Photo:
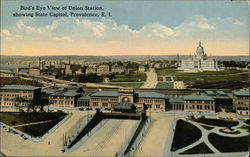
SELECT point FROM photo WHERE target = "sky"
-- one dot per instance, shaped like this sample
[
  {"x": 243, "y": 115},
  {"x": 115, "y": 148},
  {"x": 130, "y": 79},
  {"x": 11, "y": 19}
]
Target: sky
[{"x": 142, "y": 27}]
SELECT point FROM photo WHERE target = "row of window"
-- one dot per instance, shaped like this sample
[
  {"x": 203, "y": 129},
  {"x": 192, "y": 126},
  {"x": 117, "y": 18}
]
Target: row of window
[
  {"x": 15, "y": 95},
  {"x": 58, "y": 97},
  {"x": 61, "y": 102},
  {"x": 242, "y": 108},
  {"x": 200, "y": 102},
  {"x": 177, "y": 106},
  {"x": 105, "y": 99},
  {"x": 150, "y": 101},
  {"x": 200, "y": 107},
  {"x": 13, "y": 104},
  {"x": 243, "y": 97}
]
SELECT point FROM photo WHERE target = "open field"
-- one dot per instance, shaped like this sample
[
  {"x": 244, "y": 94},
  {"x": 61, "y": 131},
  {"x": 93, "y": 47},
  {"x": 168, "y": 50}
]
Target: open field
[
  {"x": 164, "y": 85},
  {"x": 238, "y": 75},
  {"x": 131, "y": 77}
]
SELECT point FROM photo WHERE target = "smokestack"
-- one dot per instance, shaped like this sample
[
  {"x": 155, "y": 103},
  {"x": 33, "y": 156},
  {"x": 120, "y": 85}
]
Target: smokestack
[{"x": 39, "y": 64}]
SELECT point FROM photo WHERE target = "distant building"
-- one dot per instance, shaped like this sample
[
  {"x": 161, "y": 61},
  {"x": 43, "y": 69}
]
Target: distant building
[
  {"x": 118, "y": 69},
  {"x": 68, "y": 69},
  {"x": 199, "y": 62},
  {"x": 241, "y": 101},
  {"x": 141, "y": 68},
  {"x": 103, "y": 69},
  {"x": 160, "y": 65},
  {"x": 10, "y": 93},
  {"x": 34, "y": 71},
  {"x": 91, "y": 70}
]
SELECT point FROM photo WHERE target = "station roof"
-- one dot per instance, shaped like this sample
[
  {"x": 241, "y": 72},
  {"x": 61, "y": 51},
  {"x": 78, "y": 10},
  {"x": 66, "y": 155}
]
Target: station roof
[
  {"x": 151, "y": 95},
  {"x": 196, "y": 96},
  {"x": 70, "y": 93},
  {"x": 105, "y": 94},
  {"x": 140, "y": 94},
  {"x": 176, "y": 98},
  {"x": 85, "y": 97},
  {"x": 19, "y": 87},
  {"x": 243, "y": 92}
]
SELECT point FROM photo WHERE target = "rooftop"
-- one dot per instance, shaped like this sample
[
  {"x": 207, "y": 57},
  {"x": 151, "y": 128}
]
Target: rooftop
[
  {"x": 140, "y": 94},
  {"x": 243, "y": 92},
  {"x": 196, "y": 96},
  {"x": 150, "y": 95},
  {"x": 175, "y": 98}
]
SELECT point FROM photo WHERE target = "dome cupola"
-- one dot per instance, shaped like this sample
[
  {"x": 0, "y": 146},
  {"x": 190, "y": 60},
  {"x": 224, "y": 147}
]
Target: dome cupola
[{"x": 200, "y": 49}]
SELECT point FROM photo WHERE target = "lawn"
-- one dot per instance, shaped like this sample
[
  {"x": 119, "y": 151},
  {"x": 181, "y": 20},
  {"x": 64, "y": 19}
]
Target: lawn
[
  {"x": 213, "y": 76},
  {"x": 131, "y": 77},
  {"x": 216, "y": 122},
  {"x": 185, "y": 134},
  {"x": 159, "y": 78},
  {"x": 127, "y": 84},
  {"x": 166, "y": 71},
  {"x": 201, "y": 148},
  {"x": 164, "y": 85},
  {"x": 229, "y": 144},
  {"x": 36, "y": 130},
  {"x": 227, "y": 75}
]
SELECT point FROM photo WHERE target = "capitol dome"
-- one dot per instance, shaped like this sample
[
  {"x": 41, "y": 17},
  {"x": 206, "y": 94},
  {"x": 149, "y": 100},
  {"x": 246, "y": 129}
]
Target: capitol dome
[{"x": 200, "y": 49}]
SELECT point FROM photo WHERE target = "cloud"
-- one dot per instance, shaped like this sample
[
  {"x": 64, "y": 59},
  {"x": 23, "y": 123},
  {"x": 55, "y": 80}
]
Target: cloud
[
  {"x": 157, "y": 30},
  {"x": 5, "y": 33},
  {"x": 64, "y": 38},
  {"x": 233, "y": 20},
  {"x": 98, "y": 28},
  {"x": 108, "y": 35}
]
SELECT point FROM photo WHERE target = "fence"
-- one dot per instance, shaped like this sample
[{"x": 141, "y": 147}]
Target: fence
[
  {"x": 71, "y": 138},
  {"x": 135, "y": 144}
]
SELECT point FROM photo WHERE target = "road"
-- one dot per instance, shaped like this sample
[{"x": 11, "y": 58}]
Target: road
[
  {"x": 152, "y": 80},
  {"x": 106, "y": 141}
]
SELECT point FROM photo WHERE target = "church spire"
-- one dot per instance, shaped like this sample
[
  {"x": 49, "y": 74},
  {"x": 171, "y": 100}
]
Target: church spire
[{"x": 199, "y": 43}]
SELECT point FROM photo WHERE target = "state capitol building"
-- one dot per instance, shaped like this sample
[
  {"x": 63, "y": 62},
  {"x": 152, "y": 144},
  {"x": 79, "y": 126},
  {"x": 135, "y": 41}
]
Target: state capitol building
[{"x": 199, "y": 62}]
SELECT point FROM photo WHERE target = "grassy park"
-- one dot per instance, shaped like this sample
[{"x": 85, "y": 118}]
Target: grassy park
[
  {"x": 229, "y": 144},
  {"x": 165, "y": 85},
  {"x": 185, "y": 134},
  {"x": 34, "y": 124},
  {"x": 216, "y": 122},
  {"x": 226, "y": 75},
  {"x": 130, "y": 77}
]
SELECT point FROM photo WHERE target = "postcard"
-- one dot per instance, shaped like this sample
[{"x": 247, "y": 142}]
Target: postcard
[{"x": 124, "y": 78}]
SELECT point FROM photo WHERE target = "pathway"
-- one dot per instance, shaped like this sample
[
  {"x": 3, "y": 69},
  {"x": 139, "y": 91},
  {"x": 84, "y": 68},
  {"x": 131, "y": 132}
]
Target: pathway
[
  {"x": 204, "y": 138},
  {"x": 152, "y": 80},
  {"x": 27, "y": 124}
]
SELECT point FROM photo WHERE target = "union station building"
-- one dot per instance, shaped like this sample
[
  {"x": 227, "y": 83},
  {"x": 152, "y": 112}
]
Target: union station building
[{"x": 204, "y": 101}]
